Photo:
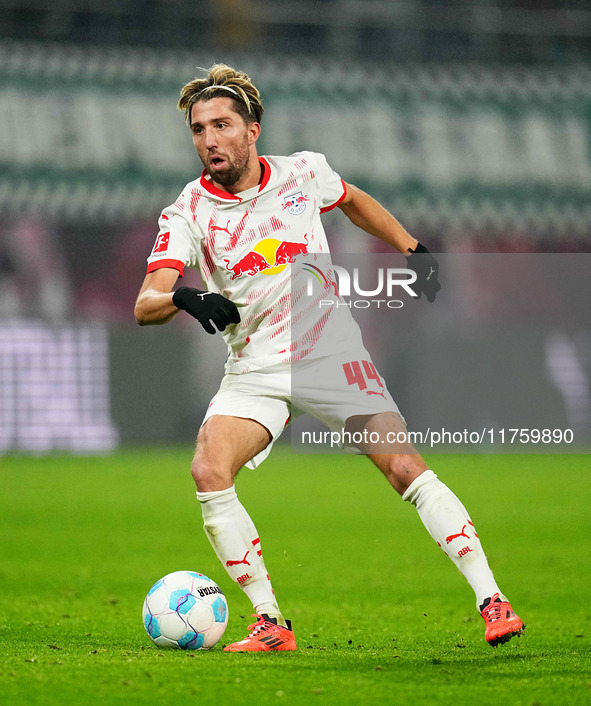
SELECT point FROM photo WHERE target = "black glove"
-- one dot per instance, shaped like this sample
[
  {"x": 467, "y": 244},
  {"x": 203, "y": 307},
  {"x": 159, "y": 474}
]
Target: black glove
[
  {"x": 426, "y": 267},
  {"x": 207, "y": 307}
]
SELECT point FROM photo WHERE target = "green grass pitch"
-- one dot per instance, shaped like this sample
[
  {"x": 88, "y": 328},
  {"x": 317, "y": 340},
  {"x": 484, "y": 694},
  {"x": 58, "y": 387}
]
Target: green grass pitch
[{"x": 381, "y": 615}]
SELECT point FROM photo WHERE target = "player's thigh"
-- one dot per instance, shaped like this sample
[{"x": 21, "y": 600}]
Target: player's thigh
[
  {"x": 224, "y": 445},
  {"x": 335, "y": 388}
]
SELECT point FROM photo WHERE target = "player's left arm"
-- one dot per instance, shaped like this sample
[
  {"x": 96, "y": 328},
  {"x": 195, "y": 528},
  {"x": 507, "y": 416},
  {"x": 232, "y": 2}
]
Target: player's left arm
[{"x": 369, "y": 215}]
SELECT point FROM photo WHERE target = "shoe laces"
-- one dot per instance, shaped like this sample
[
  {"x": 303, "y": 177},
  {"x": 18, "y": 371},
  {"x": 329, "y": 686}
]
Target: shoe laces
[
  {"x": 258, "y": 627},
  {"x": 492, "y": 611}
]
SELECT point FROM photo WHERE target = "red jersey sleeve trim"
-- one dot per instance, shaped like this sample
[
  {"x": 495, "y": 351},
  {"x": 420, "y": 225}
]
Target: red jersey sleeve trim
[
  {"x": 336, "y": 203},
  {"x": 173, "y": 264}
]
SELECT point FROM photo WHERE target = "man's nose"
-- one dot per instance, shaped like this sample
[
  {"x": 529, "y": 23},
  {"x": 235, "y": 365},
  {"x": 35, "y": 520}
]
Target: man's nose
[{"x": 210, "y": 139}]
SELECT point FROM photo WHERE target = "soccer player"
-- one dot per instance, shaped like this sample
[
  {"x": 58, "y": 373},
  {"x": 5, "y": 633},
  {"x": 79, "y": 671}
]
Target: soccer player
[{"x": 227, "y": 223}]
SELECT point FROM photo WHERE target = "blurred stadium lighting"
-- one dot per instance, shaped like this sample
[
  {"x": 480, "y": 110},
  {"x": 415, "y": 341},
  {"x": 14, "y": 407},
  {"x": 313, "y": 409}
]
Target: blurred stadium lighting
[{"x": 488, "y": 30}]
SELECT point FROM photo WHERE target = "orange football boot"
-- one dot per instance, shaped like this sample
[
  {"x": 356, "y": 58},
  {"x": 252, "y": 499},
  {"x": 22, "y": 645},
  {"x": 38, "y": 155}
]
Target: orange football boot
[
  {"x": 501, "y": 622},
  {"x": 265, "y": 635}
]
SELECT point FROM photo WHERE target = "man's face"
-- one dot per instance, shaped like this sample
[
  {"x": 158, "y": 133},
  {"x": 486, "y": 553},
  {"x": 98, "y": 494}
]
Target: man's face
[{"x": 223, "y": 140}]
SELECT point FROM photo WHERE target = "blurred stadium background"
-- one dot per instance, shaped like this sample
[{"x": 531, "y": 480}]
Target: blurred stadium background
[{"x": 471, "y": 121}]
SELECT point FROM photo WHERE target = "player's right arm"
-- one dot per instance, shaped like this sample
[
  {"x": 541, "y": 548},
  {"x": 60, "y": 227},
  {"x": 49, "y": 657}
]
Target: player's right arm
[
  {"x": 154, "y": 302},
  {"x": 157, "y": 304},
  {"x": 176, "y": 247}
]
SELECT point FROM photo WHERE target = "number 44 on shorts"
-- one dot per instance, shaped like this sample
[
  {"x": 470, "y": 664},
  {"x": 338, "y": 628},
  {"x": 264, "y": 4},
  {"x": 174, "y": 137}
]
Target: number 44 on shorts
[{"x": 355, "y": 374}]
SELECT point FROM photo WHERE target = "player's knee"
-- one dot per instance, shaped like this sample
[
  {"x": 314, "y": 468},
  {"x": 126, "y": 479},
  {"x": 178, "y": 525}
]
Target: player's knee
[
  {"x": 208, "y": 476},
  {"x": 404, "y": 469},
  {"x": 199, "y": 473}
]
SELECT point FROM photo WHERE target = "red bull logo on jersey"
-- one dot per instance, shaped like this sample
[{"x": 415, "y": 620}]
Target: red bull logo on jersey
[
  {"x": 287, "y": 252},
  {"x": 269, "y": 256},
  {"x": 295, "y": 203},
  {"x": 250, "y": 264}
]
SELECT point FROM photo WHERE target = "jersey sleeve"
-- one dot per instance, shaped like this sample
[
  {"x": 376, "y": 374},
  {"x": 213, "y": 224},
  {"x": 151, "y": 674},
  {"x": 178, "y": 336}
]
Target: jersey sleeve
[
  {"x": 332, "y": 188},
  {"x": 176, "y": 242}
]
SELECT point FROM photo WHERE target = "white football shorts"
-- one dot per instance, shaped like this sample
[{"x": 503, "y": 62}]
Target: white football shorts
[{"x": 331, "y": 389}]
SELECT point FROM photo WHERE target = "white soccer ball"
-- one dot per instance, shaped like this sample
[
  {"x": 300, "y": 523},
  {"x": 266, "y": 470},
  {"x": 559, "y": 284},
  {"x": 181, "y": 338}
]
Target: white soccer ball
[{"x": 185, "y": 610}]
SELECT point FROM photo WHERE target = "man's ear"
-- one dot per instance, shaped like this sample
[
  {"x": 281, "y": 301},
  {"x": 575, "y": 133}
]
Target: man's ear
[{"x": 254, "y": 130}]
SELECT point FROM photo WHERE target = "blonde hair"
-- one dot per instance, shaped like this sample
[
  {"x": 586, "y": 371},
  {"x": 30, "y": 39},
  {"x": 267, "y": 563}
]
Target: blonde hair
[{"x": 223, "y": 81}]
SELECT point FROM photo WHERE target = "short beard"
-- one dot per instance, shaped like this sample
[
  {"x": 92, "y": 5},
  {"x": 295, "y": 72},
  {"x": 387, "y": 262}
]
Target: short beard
[
  {"x": 233, "y": 172},
  {"x": 229, "y": 176}
]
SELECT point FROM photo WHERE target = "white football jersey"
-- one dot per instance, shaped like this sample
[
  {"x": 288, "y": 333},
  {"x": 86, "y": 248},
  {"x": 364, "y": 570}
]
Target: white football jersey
[{"x": 244, "y": 245}]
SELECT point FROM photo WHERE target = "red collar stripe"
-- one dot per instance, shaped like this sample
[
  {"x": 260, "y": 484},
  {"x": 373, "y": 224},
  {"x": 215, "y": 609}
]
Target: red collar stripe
[
  {"x": 213, "y": 189},
  {"x": 266, "y": 173}
]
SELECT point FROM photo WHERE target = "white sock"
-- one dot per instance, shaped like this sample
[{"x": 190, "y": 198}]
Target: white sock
[
  {"x": 236, "y": 542},
  {"x": 449, "y": 523}
]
